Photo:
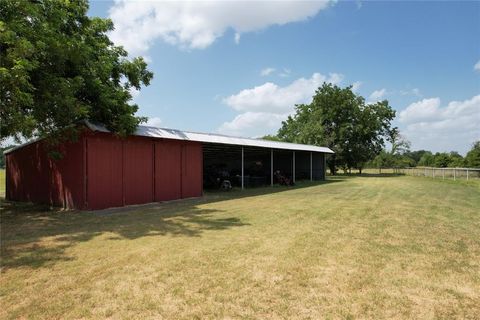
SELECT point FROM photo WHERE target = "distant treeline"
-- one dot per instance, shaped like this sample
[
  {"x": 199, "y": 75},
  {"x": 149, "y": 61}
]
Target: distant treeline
[{"x": 426, "y": 158}]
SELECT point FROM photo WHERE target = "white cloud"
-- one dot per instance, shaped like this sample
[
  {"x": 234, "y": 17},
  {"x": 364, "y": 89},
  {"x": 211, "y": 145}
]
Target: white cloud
[
  {"x": 267, "y": 71},
  {"x": 424, "y": 110},
  {"x": 197, "y": 24},
  {"x": 237, "y": 38},
  {"x": 154, "y": 122},
  {"x": 378, "y": 94},
  {"x": 264, "y": 107},
  {"x": 476, "y": 67},
  {"x": 253, "y": 124},
  {"x": 269, "y": 97},
  {"x": 411, "y": 92},
  {"x": 433, "y": 127},
  {"x": 356, "y": 86}
]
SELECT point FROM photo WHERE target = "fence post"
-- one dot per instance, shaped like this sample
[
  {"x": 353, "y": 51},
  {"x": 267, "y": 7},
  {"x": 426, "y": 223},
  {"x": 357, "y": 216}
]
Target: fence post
[
  {"x": 425, "y": 172},
  {"x": 454, "y": 174},
  {"x": 443, "y": 173},
  {"x": 433, "y": 173},
  {"x": 467, "y": 174}
]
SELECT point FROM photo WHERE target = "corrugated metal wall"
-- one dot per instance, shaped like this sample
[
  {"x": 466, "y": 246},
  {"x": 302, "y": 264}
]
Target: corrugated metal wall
[
  {"x": 168, "y": 170},
  {"x": 140, "y": 170},
  {"x": 104, "y": 172},
  {"x": 32, "y": 176},
  {"x": 101, "y": 171},
  {"x": 192, "y": 170}
]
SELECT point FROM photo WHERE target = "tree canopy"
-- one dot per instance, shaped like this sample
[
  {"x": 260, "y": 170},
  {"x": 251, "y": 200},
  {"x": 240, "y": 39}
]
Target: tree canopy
[
  {"x": 58, "y": 67},
  {"x": 472, "y": 159},
  {"x": 341, "y": 120}
]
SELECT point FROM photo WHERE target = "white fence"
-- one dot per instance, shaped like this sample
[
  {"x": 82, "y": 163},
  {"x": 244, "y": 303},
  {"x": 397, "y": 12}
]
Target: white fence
[{"x": 441, "y": 173}]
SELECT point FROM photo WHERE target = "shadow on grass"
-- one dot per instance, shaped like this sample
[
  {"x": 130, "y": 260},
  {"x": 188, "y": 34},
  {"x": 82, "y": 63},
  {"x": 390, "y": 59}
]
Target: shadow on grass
[{"x": 33, "y": 236}]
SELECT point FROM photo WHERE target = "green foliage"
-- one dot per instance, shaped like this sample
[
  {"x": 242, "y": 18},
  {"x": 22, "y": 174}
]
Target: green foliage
[
  {"x": 58, "y": 67},
  {"x": 441, "y": 160},
  {"x": 472, "y": 159},
  {"x": 271, "y": 138},
  {"x": 427, "y": 160},
  {"x": 383, "y": 160},
  {"x": 341, "y": 120},
  {"x": 400, "y": 145},
  {"x": 2, "y": 156},
  {"x": 415, "y": 155},
  {"x": 456, "y": 160}
]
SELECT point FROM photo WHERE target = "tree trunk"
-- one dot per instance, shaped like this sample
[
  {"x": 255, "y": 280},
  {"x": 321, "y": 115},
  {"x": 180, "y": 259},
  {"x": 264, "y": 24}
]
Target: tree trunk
[
  {"x": 360, "y": 170},
  {"x": 331, "y": 165}
]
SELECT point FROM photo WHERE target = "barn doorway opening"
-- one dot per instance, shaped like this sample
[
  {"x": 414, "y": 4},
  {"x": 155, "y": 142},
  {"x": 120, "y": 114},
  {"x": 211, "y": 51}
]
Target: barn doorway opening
[{"x": 226, "y": 166}]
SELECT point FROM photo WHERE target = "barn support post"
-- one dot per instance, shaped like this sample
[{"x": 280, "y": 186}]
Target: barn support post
[
  {"x": 271, "y": 167},
  {"x": 242, "y": 170},
  {"x": 311, "y": 166},
  {"x": 293, "y": 165}
]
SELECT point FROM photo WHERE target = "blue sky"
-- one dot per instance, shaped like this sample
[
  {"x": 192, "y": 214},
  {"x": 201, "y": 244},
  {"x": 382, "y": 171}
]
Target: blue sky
[{"x": 208, "y": 61}]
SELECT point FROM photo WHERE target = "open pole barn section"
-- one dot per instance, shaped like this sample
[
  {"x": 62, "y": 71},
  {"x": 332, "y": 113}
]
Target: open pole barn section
[{"x": 101, "y": 170}]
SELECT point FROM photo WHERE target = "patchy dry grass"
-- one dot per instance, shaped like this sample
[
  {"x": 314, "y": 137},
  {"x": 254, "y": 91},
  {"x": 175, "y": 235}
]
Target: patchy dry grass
[{"x": 366, "y": 247}]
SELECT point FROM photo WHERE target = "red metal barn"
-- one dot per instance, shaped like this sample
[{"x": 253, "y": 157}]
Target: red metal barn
[{"x": 101, "y": 170}]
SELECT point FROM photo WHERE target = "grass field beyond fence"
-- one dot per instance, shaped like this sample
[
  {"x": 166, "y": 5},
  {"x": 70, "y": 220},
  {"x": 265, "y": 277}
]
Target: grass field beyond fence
[{"x": 353, "y": 247}]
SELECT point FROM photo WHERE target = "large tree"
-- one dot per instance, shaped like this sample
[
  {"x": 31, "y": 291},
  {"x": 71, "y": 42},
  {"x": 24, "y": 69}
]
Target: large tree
[
  {"x": 472, "y": 159},
  {"x": 400, "y": 144},
  {"x": 341, "y": 120},
  {"x": 58, "y": 67}
]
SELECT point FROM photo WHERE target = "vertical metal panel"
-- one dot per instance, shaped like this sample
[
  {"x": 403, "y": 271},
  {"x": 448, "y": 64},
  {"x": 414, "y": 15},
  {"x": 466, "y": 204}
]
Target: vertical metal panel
[
  {"x": 34, "y": 176},
  {"x": 168, "y": 170},
  {"x": 104, "y": 172},
  {"x": 138, "y": 171},
  {"x": 192, "y": 166},
  {"x": 67, "y": 176}
]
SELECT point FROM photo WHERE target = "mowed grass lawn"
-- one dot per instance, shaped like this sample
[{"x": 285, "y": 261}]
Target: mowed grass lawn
[{"x": 362, "y": 247}]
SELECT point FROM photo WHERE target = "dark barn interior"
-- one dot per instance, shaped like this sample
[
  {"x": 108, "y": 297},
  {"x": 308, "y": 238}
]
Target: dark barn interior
[{"x": 224, "y": 162}]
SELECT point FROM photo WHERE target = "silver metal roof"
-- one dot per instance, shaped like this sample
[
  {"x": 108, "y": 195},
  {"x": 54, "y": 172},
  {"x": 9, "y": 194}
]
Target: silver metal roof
[{"x": 164, "y": 133}]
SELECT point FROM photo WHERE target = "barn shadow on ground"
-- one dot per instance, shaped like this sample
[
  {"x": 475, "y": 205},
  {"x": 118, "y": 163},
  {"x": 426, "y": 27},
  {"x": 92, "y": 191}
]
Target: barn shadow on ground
[{"x": 33, "y": 236}]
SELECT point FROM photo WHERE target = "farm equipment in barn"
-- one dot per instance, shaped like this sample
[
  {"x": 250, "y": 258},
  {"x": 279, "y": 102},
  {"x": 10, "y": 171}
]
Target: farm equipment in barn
[{"x": 283, "y": 180}]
